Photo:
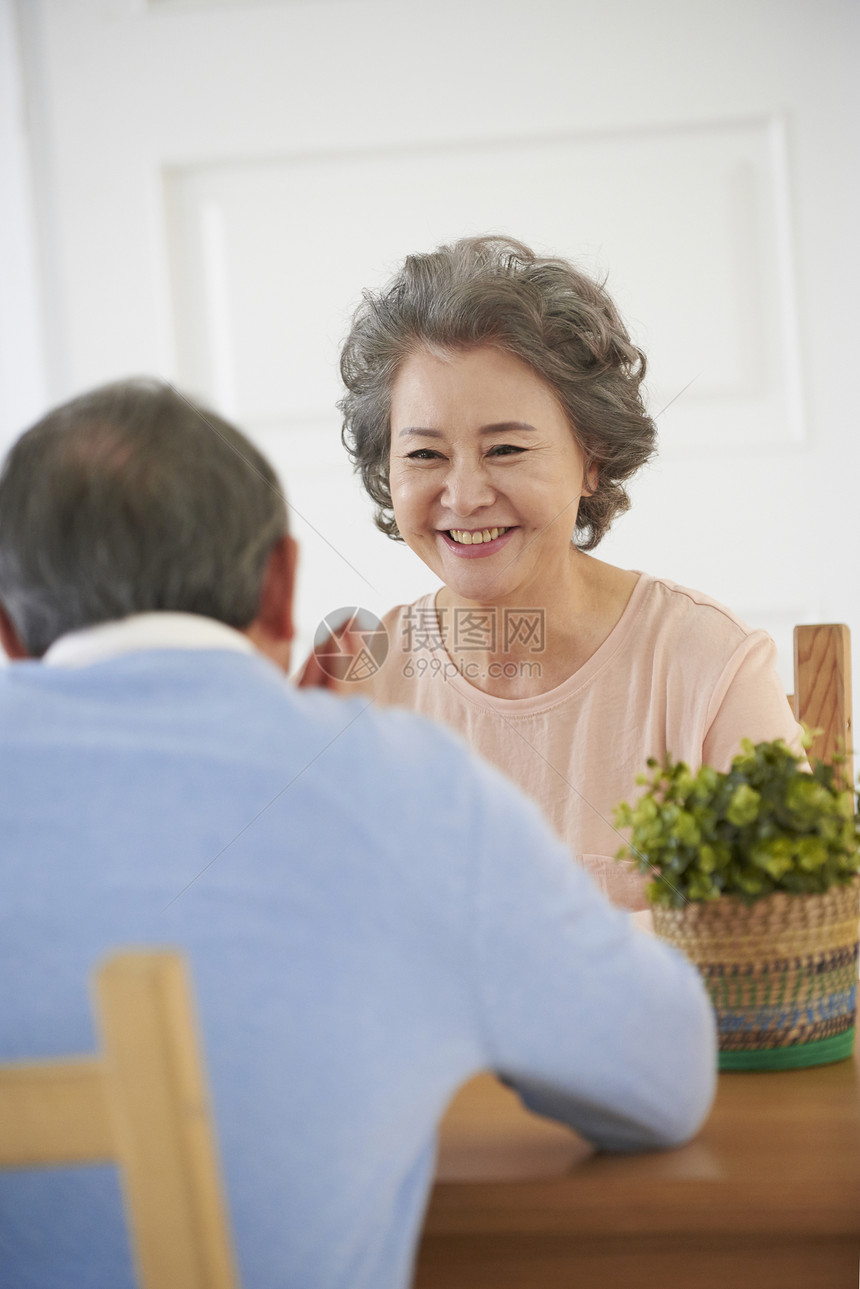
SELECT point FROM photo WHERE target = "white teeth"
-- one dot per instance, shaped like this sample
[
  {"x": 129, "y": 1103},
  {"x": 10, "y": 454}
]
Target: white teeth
[{"x": 466, "y": 538}]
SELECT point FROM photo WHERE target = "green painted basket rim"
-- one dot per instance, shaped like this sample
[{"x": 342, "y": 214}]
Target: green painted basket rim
[{"x": 795, "y": 1057}]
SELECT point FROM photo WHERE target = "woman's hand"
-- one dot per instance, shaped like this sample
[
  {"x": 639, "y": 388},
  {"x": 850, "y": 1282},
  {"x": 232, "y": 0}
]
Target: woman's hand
[
  {"x": 319, "y": 671},
  {"x": 312, "y": 676}
]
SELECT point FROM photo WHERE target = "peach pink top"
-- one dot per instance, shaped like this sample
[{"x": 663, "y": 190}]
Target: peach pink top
[{"x": 678, "y": 673}]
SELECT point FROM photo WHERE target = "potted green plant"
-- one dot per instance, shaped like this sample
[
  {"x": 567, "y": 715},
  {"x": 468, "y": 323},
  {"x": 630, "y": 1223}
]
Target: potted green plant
[{"x": 755, "y": 878}]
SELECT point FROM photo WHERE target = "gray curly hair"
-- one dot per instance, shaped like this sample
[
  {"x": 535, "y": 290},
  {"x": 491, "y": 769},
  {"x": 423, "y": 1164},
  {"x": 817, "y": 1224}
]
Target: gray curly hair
[{"x": 496, "y": 291}]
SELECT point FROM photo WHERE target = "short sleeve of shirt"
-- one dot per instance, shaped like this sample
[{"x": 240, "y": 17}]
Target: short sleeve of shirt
[{"x": 749, "y": 697}]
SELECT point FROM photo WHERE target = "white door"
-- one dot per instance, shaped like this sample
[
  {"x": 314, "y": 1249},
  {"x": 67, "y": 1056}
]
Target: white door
[{"x": 218, "y": 181}]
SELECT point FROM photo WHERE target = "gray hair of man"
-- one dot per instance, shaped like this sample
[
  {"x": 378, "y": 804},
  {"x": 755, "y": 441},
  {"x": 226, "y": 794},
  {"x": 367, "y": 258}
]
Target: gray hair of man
[{"x": 132, "y": 499}]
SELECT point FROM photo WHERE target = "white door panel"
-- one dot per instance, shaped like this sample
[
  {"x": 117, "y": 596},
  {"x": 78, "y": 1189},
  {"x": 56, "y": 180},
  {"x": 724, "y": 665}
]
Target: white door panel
[{"x": 222, "y": 180}]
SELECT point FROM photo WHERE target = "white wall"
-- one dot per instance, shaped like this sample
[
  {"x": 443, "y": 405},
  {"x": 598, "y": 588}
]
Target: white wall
[{"x": 23, "y": 388}]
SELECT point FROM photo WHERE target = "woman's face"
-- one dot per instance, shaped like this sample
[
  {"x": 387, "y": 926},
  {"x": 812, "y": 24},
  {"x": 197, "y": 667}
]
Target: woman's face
[{"x": 486, "y": 475}]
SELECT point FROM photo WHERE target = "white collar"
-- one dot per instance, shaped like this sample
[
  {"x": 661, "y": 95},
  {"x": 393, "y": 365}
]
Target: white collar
[{"x": 144, "y": 631}]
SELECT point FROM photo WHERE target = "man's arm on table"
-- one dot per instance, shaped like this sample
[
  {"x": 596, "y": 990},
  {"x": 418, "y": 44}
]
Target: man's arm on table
[{"x": 594, "y": 1023}]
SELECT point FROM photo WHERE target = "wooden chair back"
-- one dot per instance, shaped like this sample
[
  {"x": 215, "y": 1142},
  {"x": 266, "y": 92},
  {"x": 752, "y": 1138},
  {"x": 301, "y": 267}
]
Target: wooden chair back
[
  {"x": 140, "y": 1102},
  {"x": 822, "y": 690}
]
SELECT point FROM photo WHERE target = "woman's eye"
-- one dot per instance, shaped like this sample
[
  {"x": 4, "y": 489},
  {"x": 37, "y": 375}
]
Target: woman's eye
[
  {"x": 505, "y": 449},
  {"x": 422, "y": 454}
]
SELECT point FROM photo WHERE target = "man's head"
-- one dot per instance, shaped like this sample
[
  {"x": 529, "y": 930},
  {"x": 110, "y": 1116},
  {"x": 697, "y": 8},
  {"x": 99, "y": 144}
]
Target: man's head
[{"x": 133, "y": 499}]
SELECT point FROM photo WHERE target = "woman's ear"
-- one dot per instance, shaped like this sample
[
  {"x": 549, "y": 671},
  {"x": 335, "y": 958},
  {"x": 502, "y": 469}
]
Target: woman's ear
[{"x": 590, "y": 479}]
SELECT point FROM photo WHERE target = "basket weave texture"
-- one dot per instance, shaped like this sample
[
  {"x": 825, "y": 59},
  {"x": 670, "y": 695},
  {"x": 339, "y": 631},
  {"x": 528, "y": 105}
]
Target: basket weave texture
[{"x": 781, "y": 971}]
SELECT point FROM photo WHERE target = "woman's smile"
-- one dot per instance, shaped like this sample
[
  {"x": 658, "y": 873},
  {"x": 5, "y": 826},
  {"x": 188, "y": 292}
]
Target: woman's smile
[{"x": 476, "y": 543}]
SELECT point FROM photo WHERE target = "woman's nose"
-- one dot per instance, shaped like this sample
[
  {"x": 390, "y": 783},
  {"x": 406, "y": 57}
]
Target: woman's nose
[{"x": 467, "y": 489}]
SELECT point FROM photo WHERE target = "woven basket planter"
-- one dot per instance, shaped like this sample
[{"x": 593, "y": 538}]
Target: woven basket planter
[{"x": 782, "y": 973}]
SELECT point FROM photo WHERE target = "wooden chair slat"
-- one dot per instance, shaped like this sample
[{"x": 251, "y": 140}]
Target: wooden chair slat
[
  {"x": 822, "y": 689},
  {"x": 140, "y": 1102}
]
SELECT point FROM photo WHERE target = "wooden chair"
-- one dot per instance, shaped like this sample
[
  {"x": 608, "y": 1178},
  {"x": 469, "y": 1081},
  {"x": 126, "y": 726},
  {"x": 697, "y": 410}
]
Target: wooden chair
[
  {"x": 140, "y": 1102},
  {"x": 822, "y": 689}
]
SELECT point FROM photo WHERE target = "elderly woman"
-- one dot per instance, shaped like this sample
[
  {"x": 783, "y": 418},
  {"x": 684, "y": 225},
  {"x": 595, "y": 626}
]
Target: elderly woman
[{"x": 493, "y": 409}]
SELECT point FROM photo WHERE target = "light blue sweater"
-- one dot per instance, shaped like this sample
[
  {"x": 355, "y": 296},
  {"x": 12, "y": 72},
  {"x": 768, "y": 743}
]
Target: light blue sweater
[{"x": 370, "y": 916}]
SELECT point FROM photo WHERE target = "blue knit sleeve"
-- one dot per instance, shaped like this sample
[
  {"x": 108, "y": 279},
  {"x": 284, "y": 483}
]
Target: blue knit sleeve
[{"x": 594, "y": 1021}]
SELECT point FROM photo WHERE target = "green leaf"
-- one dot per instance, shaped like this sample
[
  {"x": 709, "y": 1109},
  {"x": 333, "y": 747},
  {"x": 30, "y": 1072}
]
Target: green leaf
[
  {"x": 743, "y": 807},
  {"x": 768, "y": 824}
]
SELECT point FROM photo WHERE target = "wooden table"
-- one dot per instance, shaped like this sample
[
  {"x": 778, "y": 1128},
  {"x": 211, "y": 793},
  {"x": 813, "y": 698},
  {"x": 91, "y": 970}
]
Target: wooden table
[{"x": 766, "y": 1197}]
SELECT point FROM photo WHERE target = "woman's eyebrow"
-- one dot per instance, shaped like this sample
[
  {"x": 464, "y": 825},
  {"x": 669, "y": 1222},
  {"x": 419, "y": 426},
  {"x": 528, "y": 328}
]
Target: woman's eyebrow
[{"x": 502, "y": 427}]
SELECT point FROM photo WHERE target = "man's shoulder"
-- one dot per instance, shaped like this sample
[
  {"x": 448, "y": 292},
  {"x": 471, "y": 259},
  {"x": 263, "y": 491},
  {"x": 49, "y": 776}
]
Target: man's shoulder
[
  {"x": 221, "y": 708},
  {"x": 404, "y": 740},
  {"x": 177, "y": 685},
  {"x": 423, "y": 770}
]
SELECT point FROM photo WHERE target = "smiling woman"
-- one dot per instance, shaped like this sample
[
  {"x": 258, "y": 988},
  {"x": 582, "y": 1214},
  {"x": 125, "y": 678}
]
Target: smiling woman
[{"x": 493, "y": 410}]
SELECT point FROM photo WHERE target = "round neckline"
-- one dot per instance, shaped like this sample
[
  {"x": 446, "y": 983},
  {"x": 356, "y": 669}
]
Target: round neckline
[{"x": 551, "y": 697}]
